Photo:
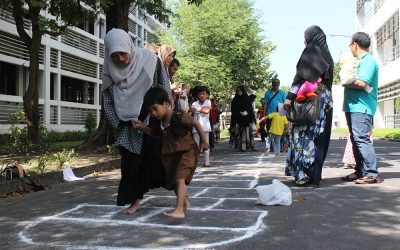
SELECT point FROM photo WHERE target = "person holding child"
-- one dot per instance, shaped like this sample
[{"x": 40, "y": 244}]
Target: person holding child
[
  {"x": 360, "y": 104},
  {"x": 308, "y": 144},
  {"x": 201, "y": 111},
  {"x": 179, "y": 151}
]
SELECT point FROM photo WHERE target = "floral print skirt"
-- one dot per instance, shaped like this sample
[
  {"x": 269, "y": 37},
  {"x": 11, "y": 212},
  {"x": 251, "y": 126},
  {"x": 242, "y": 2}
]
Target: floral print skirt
[{"x": 303, "y": 140}]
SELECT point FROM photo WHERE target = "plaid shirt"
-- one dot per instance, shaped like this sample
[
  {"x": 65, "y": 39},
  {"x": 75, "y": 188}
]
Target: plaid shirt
[{"x": 124, "y": 133}]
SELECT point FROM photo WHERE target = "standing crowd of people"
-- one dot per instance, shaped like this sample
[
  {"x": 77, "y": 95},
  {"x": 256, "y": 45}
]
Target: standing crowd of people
[{"x": 162, "y": 127}]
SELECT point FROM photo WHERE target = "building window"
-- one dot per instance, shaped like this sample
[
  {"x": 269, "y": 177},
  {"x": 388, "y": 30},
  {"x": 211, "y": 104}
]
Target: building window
[
  {"x": 8, "y": 79},
  {"x": 87, "y": 25},
  {"x": 74, "y": 90},
  {"x": 71, "y": 90}
]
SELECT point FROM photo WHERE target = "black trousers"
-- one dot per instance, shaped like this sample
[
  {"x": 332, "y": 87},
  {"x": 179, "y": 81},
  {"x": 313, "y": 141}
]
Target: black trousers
[
  {"x": 263, "y": 132},
  {"x": 131, "y": 187}
]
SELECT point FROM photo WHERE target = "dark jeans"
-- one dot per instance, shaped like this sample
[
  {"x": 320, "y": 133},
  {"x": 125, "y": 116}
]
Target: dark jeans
[{"x": 360, "y": 127}]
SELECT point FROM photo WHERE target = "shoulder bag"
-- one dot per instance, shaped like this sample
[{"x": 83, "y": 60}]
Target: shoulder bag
[
  {"x": 268, "y": 122},
  {"x": 306, "y": 112}
]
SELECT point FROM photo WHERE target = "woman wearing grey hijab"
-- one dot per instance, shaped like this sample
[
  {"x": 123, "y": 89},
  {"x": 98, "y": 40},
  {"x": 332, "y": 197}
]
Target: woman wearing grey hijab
[{"x": 128, "y": 73}]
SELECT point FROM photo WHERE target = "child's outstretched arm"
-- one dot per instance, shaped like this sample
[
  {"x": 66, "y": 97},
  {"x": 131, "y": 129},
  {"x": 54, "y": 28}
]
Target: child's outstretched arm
[
  {"x": 141, "y": 127},
  {"x": 203, "y": 139}
]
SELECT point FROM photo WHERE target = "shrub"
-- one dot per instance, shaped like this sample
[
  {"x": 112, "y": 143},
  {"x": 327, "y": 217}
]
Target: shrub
[
  {"x": 55, "y": 136},
  {"x": 42, "y": 163},
  {"x": 63, "y": 157},
  {"x": 112, "y": 149},
  {"x": 90, "y": 123},
  {"x": 19, "y": 140}
]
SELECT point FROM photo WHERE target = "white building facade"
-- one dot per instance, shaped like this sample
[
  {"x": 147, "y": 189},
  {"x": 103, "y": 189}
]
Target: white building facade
[
  {"x": 70, "y": 69},
  {"x": 380, "y": 19}
]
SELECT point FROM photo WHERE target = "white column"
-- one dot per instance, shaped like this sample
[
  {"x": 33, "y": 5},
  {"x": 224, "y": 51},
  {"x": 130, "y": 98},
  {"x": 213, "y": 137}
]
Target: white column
[
  {"x": 57, "y": 88},
  {"x": 45, "y": 82},
  {"x": 96, "y": 101}
]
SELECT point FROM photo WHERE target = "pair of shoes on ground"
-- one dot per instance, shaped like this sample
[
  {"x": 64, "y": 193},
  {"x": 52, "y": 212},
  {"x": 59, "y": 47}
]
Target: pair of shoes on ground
[
  {"x": 362, "y": 180},
  {"x": 303, "y": 182}
]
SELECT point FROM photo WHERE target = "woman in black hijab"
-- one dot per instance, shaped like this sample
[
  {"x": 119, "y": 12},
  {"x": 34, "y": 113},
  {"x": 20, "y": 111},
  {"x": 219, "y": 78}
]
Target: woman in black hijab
[
  {"x": 241, "y": 119},
  {"x": 308, "y": 144}
]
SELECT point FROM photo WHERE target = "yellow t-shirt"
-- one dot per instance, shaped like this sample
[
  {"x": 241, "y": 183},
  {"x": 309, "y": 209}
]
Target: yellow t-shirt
[{"x": 277, "y": 124}]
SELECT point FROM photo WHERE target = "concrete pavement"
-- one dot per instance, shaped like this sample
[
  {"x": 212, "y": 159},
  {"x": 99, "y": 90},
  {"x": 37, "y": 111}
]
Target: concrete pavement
[{"x": 223, "y": 213}]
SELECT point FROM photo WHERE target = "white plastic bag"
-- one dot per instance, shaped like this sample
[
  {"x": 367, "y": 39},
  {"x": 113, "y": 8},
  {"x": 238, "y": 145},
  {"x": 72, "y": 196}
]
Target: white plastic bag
[
  {"x": 68, "y": 175},
  {"x": 276, "y": 193}
]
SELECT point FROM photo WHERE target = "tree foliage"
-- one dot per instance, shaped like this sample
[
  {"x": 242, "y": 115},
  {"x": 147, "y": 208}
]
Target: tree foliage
[
  {"x": 219, "y": 45},
  {"x": 336, "y": 70}
]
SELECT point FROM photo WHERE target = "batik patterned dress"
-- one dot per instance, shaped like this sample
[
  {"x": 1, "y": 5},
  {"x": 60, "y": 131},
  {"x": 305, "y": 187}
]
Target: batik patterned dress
[
  {"x": 179, "y": 154},
  {"x": 303, "y": 138}
]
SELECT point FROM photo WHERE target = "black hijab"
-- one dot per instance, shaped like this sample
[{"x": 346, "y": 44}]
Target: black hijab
[
  {"x": 316, "y": 59},
  {"x": 242, "y": 103}
]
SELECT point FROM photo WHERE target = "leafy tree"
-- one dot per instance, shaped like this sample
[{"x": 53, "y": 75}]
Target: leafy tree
[
  {"x": 336, "y": 70},
  {"x": 397, "y": 105},
  {"x": 219, "y": 45},
  {"x": 63, "y": 13}
]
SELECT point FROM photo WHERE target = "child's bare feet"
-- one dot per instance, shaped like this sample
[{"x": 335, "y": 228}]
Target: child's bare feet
[
  {"x": 132, "y": 209},
  {"x": 175, "y": 214}
]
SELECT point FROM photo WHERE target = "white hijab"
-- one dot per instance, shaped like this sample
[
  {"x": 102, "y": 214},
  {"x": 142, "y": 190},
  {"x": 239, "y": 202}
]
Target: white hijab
[{"x": 130, "y": 82}]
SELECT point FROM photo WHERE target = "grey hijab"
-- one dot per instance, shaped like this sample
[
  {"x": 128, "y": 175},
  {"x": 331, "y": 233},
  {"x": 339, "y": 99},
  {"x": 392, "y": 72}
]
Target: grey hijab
[{"x": 129, "y": 82}]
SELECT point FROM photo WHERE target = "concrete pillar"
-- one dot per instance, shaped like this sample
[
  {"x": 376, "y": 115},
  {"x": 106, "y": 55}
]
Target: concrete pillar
[
  {"x": 57, "y": 88},
  {"x": 45, "y": 82}
]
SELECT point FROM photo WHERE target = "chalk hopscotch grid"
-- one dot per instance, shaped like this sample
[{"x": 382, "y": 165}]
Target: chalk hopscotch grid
[{"x": 141, "y": 221}]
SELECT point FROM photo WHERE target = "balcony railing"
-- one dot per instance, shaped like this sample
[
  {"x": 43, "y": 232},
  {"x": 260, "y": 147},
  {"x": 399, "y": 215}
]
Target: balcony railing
[
  {"x": 392, "y": 121},
  {"x": 378, "y": 4},
  {"x": 79, "y": 41},
  {"x": 70, "y": 114}
]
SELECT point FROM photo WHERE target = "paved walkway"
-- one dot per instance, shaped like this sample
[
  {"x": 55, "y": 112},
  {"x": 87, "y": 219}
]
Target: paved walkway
[{"x": 223, "y": 215}]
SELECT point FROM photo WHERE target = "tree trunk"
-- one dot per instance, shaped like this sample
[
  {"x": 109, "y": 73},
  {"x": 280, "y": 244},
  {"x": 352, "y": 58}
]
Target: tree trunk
[
  {"x": 116, "y": 17},
  {"x": 31, "y": 96},
  {"x": 103, "y": 136}
]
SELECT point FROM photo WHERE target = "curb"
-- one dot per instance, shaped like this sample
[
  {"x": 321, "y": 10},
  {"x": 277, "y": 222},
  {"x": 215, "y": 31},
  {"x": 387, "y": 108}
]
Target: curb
[{"x": 52, "y": 178}]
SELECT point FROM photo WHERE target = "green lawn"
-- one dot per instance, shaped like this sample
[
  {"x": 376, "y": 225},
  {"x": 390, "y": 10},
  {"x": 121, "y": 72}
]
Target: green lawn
[{"x": 389, "y": 133}]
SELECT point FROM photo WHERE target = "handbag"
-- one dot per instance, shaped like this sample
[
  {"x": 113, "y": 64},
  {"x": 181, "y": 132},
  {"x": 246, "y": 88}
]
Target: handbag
[
  {"x": 13, "y": 172},
  {"x": 306, "y": 112}
]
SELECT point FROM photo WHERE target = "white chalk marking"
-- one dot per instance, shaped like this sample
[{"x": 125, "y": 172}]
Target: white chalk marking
[{"x": 218, "y": 202}]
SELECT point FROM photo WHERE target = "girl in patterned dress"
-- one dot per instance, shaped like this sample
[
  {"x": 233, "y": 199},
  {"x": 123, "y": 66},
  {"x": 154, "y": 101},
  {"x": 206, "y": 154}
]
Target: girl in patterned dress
[{"x": 179, "y": 152}]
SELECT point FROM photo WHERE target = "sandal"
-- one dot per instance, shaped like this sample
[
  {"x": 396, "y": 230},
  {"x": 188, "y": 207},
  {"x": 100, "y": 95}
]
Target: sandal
[
  {"x": 207, "y": 166},
  {"x": 368, "y": 180},
  {"x": 350, "y": 177}
]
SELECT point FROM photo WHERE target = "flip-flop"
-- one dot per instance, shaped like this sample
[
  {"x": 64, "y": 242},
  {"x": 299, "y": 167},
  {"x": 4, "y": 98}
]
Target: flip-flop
[{"x": 368, "y": 180}]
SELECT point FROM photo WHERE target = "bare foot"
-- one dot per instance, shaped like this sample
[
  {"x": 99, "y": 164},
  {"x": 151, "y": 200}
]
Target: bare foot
[
  {"x": 132, "y": 209},
  {"x": 175, "y": 214}
]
